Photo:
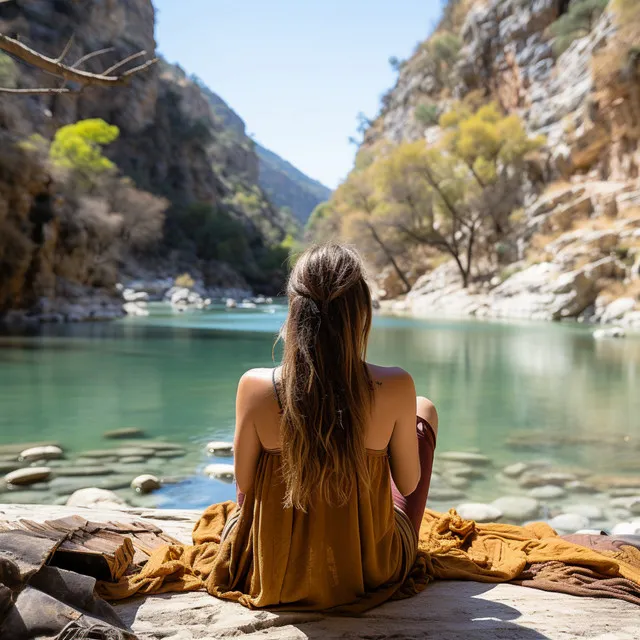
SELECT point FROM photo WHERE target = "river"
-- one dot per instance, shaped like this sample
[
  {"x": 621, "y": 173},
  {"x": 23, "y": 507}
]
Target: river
[{"x": 530, "y": 391}]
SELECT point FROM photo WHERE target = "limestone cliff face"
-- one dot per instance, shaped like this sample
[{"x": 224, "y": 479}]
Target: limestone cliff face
[{"x": 591, "y": 122}]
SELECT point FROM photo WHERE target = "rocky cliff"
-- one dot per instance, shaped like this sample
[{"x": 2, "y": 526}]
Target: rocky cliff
[
  {"x": 220, "y": 225},
  {"x": 578, "y": 248}
]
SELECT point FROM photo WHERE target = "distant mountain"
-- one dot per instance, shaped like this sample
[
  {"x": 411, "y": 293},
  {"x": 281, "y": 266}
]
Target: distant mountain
[{"x": 285, "y": 185}]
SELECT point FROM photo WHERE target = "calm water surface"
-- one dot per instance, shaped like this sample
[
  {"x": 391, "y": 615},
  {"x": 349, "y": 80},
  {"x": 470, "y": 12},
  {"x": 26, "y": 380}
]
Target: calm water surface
[{"x": 576, "y": 400}]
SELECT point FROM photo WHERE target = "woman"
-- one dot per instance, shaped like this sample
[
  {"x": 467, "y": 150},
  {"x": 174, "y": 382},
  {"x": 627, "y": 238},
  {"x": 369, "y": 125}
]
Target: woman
[{"x": 332, "y": 471}]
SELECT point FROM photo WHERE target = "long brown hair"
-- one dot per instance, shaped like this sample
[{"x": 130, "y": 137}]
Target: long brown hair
[{"x": 325, "y": 383}]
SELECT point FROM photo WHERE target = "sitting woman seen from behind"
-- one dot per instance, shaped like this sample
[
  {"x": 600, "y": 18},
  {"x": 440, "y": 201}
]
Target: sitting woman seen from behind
[{"x": 332, "y": 465}]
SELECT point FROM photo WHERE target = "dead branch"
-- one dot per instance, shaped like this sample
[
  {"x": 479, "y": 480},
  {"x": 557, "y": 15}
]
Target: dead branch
[
  {"x": 56, "y": 67},
  {"x": 89, "y": 56}
]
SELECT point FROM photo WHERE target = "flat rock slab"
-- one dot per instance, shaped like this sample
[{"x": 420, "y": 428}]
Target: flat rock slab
[{"x": 445, "y": 610}]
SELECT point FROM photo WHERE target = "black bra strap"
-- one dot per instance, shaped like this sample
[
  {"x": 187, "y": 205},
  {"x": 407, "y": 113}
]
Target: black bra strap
[{"x": 275, "y": 387}]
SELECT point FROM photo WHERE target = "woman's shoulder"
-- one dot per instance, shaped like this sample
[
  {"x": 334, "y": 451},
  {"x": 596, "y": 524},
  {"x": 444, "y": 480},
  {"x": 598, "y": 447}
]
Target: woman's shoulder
[
  {"x": 255, "y": 384},
  {"x": 389, "y": 375}
]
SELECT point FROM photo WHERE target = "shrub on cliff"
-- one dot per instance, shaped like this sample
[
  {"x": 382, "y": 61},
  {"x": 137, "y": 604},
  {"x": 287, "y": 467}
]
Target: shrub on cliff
[
  {"x": 78, "y": 147},
  {"x": 426, "y": 114},
  {"x": 576, "y": 23}
]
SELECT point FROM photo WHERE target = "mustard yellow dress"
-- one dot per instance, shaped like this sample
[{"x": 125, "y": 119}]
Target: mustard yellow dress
[{"x": 352, "y": 557}]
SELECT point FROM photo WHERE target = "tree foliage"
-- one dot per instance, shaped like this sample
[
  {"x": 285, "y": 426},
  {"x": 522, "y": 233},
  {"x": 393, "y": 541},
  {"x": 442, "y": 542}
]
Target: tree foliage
[
  {"x": 78, "y": 147},
  {"x": 576, "y": 23},
  {"x": 455, "y": 196}
]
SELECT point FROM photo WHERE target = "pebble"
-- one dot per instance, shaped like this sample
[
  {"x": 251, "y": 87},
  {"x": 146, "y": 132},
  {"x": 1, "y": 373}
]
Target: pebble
[
  {"x": 458, "y": 482},
  {"x": 479, "y": 512},
  {"x": 16, "y": 449},
  {"x": 126, "y": 432},
  {"x": 464, "y": 470},
  {"x": 132, "y": 460},
  {"x": 625, "y": 502},
  {"x": 569, "y": 523},
  {"x": 465, "y": 456},
  {"x": 49, "y": 452},
  {"x": 223, "y": 472},
  {"x": 624, "y": 492},
  {"x": 518, "y": 508},
  {"x": 220, "y": 448},
  {"x": 547, "y": 492},
  {"x": 124, "y": 452},
  {"x": 28, "y": 475},
  {"x": 94, "y": 497},
  {"x": 515, "y": 470},
  {"x": 146, "y": 483},
  {"x": 577, "y": 486}
]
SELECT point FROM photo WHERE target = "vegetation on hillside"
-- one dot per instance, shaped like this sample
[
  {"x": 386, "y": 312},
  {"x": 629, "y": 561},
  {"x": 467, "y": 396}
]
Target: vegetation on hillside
[
  {"x": 576, "y": 23},
  {"x": 455, "y": 197}
]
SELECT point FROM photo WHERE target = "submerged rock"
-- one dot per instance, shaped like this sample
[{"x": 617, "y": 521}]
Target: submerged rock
[
  {"x": 479, "y": 512},
  {"x": 515, "y": 470},
  {"x": 81, "y": 471},
  {"x": 126, "y": 432},
  {"x": 29, "y": 475},
  {"x": 518, "y": 508},
  {"x": 613, "y": 332},
  {"x": 547, "y": 492},
  {"x": 146, "y": 483}
]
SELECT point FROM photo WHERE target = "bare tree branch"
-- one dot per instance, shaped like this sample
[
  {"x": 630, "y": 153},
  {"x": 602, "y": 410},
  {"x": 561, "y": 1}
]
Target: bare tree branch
[
  {"x": 91, "y": 55},
  {"x": 122, "y": 63},
  {"x": 57, "y": 68},
  {"x": 41, "y": 90},
  {"x": 66, "y": 49}
]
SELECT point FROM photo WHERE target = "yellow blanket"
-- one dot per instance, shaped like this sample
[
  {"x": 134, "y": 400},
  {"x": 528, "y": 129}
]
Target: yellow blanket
[{"x": 450, "y": 548}]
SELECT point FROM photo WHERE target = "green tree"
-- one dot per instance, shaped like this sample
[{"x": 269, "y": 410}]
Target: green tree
[
  {"x": 576, "y": 23},
  {"x": 8, "y": 72},
  {"x": 454, "y": 194},
  {"x": 78, "y": 147}
]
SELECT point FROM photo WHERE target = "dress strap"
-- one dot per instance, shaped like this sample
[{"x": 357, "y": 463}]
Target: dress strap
[{"x": 275, "y": 387}]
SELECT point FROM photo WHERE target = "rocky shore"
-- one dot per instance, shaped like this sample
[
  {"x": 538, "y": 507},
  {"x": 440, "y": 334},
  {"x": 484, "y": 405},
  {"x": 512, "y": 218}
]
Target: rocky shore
[
  {"x": 464, "y": 609},
  {"x": 130, "y": 470}
]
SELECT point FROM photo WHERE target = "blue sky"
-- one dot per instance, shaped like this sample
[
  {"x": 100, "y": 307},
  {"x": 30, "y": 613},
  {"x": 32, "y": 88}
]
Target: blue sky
[{"x": 297, "y": 71}]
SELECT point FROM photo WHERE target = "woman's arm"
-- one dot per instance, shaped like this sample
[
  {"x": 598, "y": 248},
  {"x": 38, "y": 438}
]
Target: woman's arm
[
  {"x": 403, "y": 445},
  {"x": 246, "y": 444}
]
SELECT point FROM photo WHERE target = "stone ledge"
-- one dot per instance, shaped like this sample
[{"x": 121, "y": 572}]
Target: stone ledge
[{"x": 445, "y": 610}]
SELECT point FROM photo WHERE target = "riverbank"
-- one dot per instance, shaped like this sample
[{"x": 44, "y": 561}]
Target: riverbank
[
  {"x": 135, "y": 472},
  {"x": 447, "y": 610}
]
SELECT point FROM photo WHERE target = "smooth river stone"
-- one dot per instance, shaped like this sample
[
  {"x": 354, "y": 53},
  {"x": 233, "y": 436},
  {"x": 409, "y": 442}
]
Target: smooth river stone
[
  {"x": 132, "y": 460},
  {"x": 626, "y": 529},
  {"x": 465, "y": 456},
  {"x": 29, "y": 475},
  {"x": 220, "y": 448},
  {"x": 515, "y": 470},
  {"x": 591, "y": 511},
  {"x": 17, "y": 448},
  {"x": 50, "y": 452},
  {"x": 569, "y": 523},
  {"x": 126, "y": 432},
  {"x": 547, "y": 492},
  {"x": 463, "y": 470},
  {"x": 518, "y": 508},
  {"x": 577, "y": 486},
  {"x": 100, "y": 453},
  {"x": 539, "y": 479},
  {"x": 479, "y": 512},
  {"x": 458, "y": 482},
  {"x": 224, "y": 472},
  {"x": 146, "y": 483},
  {"x": 95, "y": 497},
  {"x": 155, "y": 445}
]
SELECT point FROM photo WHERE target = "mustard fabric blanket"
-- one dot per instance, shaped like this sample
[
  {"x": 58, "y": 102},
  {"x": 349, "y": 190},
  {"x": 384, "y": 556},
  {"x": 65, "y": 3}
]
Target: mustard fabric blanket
[{"x": 450, "y": 548}]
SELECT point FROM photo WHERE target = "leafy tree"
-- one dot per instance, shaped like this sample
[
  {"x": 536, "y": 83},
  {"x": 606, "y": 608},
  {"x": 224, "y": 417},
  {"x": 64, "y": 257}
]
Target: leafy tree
[
  {"x": 395, "y": 63},
  {"x": 426, "y": 114},
  {"x": 78, "y": 147},
  {"x": 576, "y": 23},
  {"x": 451, "y": 195}
]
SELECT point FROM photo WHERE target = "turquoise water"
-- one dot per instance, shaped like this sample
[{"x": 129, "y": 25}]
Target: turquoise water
[{"x": 174, "y": 376}]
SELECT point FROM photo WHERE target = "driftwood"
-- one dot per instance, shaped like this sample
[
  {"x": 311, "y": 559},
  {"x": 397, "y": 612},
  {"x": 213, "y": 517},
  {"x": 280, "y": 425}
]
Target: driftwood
[{"x": 105, "y": 551}]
